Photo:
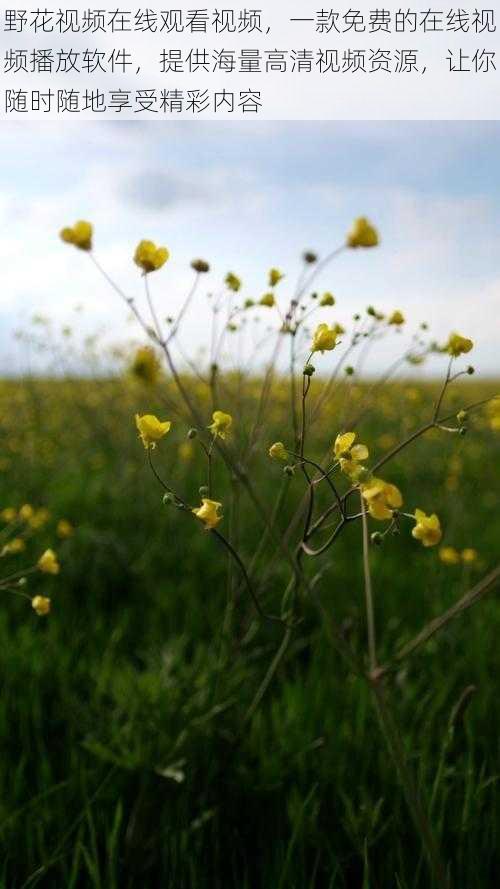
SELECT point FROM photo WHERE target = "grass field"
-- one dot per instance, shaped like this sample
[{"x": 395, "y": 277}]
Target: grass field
[{"x": 134, "y": 750}]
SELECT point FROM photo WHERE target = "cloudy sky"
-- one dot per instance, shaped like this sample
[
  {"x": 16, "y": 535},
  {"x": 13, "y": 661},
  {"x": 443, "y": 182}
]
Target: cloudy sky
[{"x": 248, "y": 196}]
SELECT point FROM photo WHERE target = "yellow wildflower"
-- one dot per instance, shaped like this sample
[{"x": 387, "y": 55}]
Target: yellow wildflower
[
  {"x": 449, "y": 555},
  {"x": 149, "y": 257},
  {"x": 145, "y": 365},
  {"x": 64, "y": 529},
  {"x": 39, "y": 518},
  {"x": 14, "y": 546},
  {"x": 41, "y": 604},
  {"x": 324, "y": 338},
  {"x": 396, "y": 318},
  {"x": 233, "y": 282},
  {"x": 209, "y": 512},
  {"x": 381, "y": 498},
  {"x": 221, "y": 424},
  {"x": 8, "y": 514},
  {"x": 494, "y": 414},
  {"x": 458, "y": 345},
  {"x": 26, "y": 512},
  {"x": 268, "y": 300},
  {"x": 469, "y": 555},
  {"x": 275, "y": 276},
  {"x": 362, "y": 234},
  {"x": 349, "y": 454},
  {"x": 327, "y": 299},
  {"x": 151, "y": 429},
  {"x": 427, "y": 528},
  {"x": 278, "y": 451},
  {"x": 80, "y": 235},
  {"x": 48, "y": 562}
]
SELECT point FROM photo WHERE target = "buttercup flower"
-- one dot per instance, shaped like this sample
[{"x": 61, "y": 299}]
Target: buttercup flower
[
  {"x": 64, "y": 529},
  {"x": 327, "y": 299},
  {"x": 469, "y": 555},
  {"x": 221, "y": 423},
  {"x": 149, "y": 257},
  {"x": 449, "y": 555},
  {"x": 209, "y": 513},
  {"x": 233, "y": 282},
  {"x": 324, "y": 338},
  {"x": 145, "y": 365},
  {"x": 26, "y": 512},
  {"x": 349, "y": 454},
  {"x": 48, "y": 562},
  {"x": 267, "y": 300},
  {"x": 396, "y": 318},
  {"x": 14, "y": 546},
  {"x": 362, "y": 234},
  {"x": 151, "y": 429},
  {"x": 381, "y": 498},
  {"x": 458, "y": 345},
  {"x": 278, "y": 451},
  {"x": 427, "y": 528},
  {"x": 80, "y": 235},
  {"x": 275, "y": 276},
  {"x": 8, "y": 514},
  {"x": 41, "y": 604},
  {"x": 39, "y": 518}
]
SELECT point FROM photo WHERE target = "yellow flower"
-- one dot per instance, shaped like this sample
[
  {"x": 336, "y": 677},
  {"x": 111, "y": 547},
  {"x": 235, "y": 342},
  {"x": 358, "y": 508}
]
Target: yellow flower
[
  {"x": 267, "y": 300},
  {"x": 209, "y": 512},
  {"x": 48, "y": 562},
  {"x": 278, "y": 451},
  {"x": 327, "y": 299},
  {"x": 151, "y": 429},
  {"x": 458, "y": 345},
  {"x": 14, "y": 546},
  {"x": 427, "y": 528},
  {"x": 381, "y": 498},
  {"x": 362, "y": 234},
  {"x": 80, "y": 235},
  {"x": 221, "y": 424},
  {"x": 494, "y": 414},
  {"x": 275, "y": 276},
  {"x": 26, "y": 512},
  {"x": 469, "y": 555},
  {"x": 39, "y": 518},
  {"x": 145, "y": 365},
  {"x": 41, "y": 604},
  {"x": 396, "y": 318},
  {"x": 149, "y": 257},
  {"x": 349, "y": 454},
  {"x": 324, "y": 338},
  {"x": 8, "y": 514},
  {"x": 449, "y": 555},
  {"x": 64, "y": 529},
  {"x": 233, "y": 282}
]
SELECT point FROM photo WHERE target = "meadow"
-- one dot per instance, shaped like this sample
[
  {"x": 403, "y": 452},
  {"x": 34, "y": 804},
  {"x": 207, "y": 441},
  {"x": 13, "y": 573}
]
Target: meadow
[{"x": 170, "y": 724}]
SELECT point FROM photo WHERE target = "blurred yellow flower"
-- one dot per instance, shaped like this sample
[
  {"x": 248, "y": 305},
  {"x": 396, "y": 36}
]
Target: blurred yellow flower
[
  {"x": 8, "y": 514},
  {"x": 26, "y": 512},
  {"x": 209, "y": 512},
  {"x": 14, "y": 546},
  {"x": 48, "y": 562},
  {"x": 41, "y": 604},
  {"x": 469, "y": 555},
  {"x": 324, "y": 338},
  {"x": 145, "y": 365},
  {"x": 221, "y": 424},
  {"x": 458, "y": 345},
  {"x": 396, "y": 318},
  {"x": 233, "y": 282},
  {"x": 64, "y": 529},
  {"x": 268, "y": 300},
  {"x": 275, "y": 276},
  {"x": 427, "y": 528},
  {"x": 149, "y": 257},
  {"x": 362, "y": 234},
  {"x": 494, "y": 414},
  {"x": 151, "y": 429},
  {"x": 80, "y": 235},
  {"x": 449, "y": 555},
  {"x": 278, "y": 451},
  {"x": 381, "y": 498},
  {"x": 327, "y": 299},
  {"x": 39, "y": 518}
]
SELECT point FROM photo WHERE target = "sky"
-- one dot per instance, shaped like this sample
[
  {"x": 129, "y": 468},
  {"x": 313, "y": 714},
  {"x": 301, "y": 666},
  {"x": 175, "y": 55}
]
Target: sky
[{"x": 248, "y": 196}]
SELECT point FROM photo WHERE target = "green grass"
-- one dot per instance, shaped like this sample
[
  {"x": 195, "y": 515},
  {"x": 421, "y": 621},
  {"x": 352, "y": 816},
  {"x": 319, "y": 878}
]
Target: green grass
[{"x": 126, "y": 759}]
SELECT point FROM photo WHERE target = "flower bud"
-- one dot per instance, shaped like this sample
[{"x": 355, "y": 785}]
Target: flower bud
[
  {"x": 461, "y": 416},
  {"x": 349, "y": 371},
  {"x": 310, "y": 257},
  {"x": 192, "y": 433},
  {"x": 470, "y": 370},
  {"x": 203, "y": 491},
  {"x": 463, "y": 430},
  {"x": 288, "y": 470},
  {"x": 308, "y": 370},
  {"x": 200, "y": 266},
  {"x": 168, "y": 498},
  {"x": 376, "y": 538}
]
